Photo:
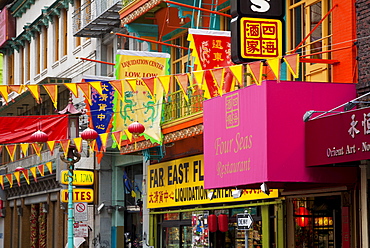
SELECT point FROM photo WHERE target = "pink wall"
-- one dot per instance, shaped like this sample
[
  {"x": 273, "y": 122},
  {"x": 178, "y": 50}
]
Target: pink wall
[{"x": 263, "y": 140}]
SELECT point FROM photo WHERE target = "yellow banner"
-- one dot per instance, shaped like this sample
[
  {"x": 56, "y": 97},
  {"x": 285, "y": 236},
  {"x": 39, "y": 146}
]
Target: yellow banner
[
  {"x": 181, "y": 182},
  {"x": 144, "y": 103}
]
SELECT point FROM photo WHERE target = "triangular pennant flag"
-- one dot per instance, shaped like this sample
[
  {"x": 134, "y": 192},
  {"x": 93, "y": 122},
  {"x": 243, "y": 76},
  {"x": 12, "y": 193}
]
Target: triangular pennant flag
[
  {"x": 86, "y": 90},
  {"x": 165, "y": 81},
  {"x": 117, "y": 138},
  {"x": 118, "y": 85},
  {"x": 4, "y": 91},
  {"x": 97, "y": 86},
  {"x": 40, "y": 168},
  {"x": 132, "y": 83},
  {"x": 17, "y": 175},
  {"x": 103, "y": 139},
  {"x": 129, "y": 135},
  {"x": 183, "y": 80},
  {"x": 274, "y": 64},
  {"x": 37, "y": 148},
  {"x": 237, "y": 71},
  {"x": 49, "y": 165},
  {"x": 292, "y": 62},
  {"x": 92, "y": 145},
  {"x": 218, "y": 76},
  {"x": 33, "y": 172},
  {"x": 73, "y": 88},
  {"x": 78, "y": 142},
  {"x": 2, "y": 181},
  {"x": 199, "y": 77},
  {"x": 51, "y": 145},
  {"x": 65, "y": 145},
  {"x": 35, "y": 91},
  {"x": 149, "y": 83},
  {"x": 24, "y": 147},
  {"x": 52, "y": 90},
  {"x": 255, "y": 69},
  {"x": 99, "y": 156},
  {"x": 16, "y": 88},
  {"x": 26, "y": 176},
  {"x": 11, "y": 150},
  {"x": 10, "y": 179}
]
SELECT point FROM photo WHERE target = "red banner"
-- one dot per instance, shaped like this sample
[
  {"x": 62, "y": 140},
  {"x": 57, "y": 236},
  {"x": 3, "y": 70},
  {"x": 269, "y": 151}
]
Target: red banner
[{"x": 18, "y": 129}]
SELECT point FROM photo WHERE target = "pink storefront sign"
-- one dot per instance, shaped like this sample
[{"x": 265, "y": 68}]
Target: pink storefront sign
[
  {"x": 338, "y": 138},
  {"x": 256, "y": 134}
]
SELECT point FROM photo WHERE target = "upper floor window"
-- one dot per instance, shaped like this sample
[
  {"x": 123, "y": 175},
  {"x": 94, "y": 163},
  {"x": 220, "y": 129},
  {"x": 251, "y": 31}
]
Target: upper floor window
[{"x": 303, "y": 16}]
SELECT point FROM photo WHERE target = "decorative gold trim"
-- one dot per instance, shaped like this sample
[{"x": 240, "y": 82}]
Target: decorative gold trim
[
  {"x": 139, "y": 11},
  {"x": 183, "y": 120},
  {"x": 168, "y": 138}
]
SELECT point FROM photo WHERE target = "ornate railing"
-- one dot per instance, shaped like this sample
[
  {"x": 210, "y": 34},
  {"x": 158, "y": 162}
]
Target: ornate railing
[{"x": 177, "y": 107}]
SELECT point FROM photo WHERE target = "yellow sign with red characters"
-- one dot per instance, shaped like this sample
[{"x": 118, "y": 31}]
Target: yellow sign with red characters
[
  {"x": 181, "y": 182},
  {"x": 260, "y": 38}
]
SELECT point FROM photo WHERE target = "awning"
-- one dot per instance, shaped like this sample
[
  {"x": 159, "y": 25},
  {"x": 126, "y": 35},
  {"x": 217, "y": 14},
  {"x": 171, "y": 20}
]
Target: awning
[
  {"x": 77, "y": 242},
  {"x": 256, "y": 134}
]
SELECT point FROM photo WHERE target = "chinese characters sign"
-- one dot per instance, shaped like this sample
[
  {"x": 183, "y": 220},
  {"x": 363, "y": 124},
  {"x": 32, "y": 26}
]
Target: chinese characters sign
[
  {"x": 260, "y": 38},
  {"x": 181, "y": 182},
  {"x": 338, "y": 138},
  {"x": 232, "y": 111}
]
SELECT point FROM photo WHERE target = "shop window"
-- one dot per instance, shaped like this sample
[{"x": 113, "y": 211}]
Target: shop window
[
  {"x": 302, "y": 17},
  {"x": 317, "y": 222}
]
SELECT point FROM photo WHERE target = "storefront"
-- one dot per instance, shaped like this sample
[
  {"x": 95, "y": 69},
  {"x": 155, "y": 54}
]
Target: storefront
[
  {"x": 184, "y": 214},
  {"x": 256, "y": 136}
]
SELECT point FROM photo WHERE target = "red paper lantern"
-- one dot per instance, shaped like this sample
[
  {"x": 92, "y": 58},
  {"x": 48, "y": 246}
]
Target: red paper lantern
[
  {"x": 89, "y": 134},
  {"x": 212, "y": 223},
  {"x": 19, "y": 169},
  {"x": 39, "y": 137},
  {"x": 223, "y": 223},
  {"x": 302, "y": 221},
  {"x": 136, "y": 128}
]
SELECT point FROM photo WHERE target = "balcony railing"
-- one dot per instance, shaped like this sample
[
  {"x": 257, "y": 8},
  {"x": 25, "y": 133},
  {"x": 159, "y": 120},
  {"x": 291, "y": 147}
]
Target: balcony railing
[
  {"x": 177, "y": 107},
  {"x": 96, "y": 14}
]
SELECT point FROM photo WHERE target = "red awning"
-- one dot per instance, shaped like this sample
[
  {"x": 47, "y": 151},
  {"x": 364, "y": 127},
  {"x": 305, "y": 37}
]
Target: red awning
[{"x": 18, "y": 129}]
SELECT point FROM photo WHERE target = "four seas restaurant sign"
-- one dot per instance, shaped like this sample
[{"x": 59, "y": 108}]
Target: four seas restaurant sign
[{"x": 338, "y": 138}]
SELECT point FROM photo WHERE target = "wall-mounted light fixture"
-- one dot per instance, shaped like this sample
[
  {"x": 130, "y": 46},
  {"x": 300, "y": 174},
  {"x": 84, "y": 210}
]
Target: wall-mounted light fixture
[
  {"x": 110, "y": 209},
  {"x": 45, "y": 208},
  {"x": 309, "y": 113},
  {"x": 265, "y": 189},
  {"x": 236, "y": 193},
  {"x": 210, "y": 194},
  {"x": 19, "y": 211}
]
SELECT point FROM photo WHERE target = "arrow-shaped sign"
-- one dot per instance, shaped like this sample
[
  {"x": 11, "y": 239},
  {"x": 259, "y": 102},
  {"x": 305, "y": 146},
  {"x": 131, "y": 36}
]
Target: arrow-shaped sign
[{"x": 245, "y": 221}]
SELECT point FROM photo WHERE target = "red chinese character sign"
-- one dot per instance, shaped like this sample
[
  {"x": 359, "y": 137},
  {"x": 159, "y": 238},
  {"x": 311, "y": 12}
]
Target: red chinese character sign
[
  {"x": 258, "y": 39},
  {"x": 212, "y": 49}
]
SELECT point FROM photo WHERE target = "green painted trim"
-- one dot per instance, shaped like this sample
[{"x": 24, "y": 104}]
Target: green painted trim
[
  {"x": 152, "y": 231},
  {"x": 277, "y": 201},
  {"x": 141, "y": 29},
  {"x": 265, "y": 226},
  {"x": 280, "y": 226}
]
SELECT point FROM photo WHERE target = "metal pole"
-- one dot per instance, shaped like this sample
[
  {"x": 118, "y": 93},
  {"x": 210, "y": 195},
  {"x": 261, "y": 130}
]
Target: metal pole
[
  {"x": 72, "y": 157},
  {"x": 70, "y": 204}
]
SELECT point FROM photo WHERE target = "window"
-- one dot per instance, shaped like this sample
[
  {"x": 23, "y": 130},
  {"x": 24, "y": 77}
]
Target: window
[
  {"x": 303, "y": 16},
  {"x": 37, "y": 54},
  {"x": 225, "y": 21},
  {"x": 45, "y": 47},
  {"x": 10, "y": 71},
  {"x": 77, "y": 8},
  {"x": 56, "y": 38},
  {"x": 180, "y": 57},
  {"x": 64, "y": 18},
  {"x": 27, "y": 61},
  {"x": 21, "y": 63}
]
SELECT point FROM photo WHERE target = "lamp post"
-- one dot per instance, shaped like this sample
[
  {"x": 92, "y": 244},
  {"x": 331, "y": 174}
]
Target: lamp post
[{"x": 72, "y": 157}]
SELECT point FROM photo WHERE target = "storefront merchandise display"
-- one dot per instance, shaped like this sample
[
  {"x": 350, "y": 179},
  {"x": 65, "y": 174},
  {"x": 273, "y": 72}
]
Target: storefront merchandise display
[{"x": 200, "y": 229}]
